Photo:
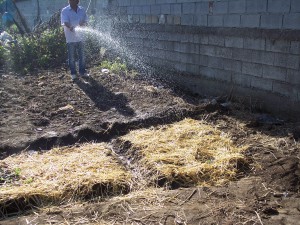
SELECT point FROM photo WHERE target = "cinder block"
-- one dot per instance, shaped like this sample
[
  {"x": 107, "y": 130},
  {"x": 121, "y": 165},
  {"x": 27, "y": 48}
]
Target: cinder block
[
  {"x": 155, "y": 9},
  {"x": 201, "y": 20},
  {"x": 188, "y": 8},
  {"x": 207, "y": 72},
  {"x": 207, "y": 50},
  {"x": 215, "y": 21},
  {"x": 130, "y": 10},
  {"x": 203, "y": 60},
  {"x": 279, "y": 6},
  {"x": 232, "y": 65},
  {"x": 223, "y": 52},
  {"x": 284, "y": 89},
  {"x": 293, "y": 76},
  {"x": 187, "y": 20},
  {"x": 137, "y": 10},
  {"x": 164, "y": 1},
  {"x": 237, "y": 6},
  {"x": 252, "y": 69},
  {"x": 166, "y": 9},
  {"x": 202, "y": 8},
  {"x": 232, "y": 20},
  {"x": 242, "y": 54},
  {"x": 234, "y": 42},
  {"x": 256, "y": 6},
  {"x": 295, "y": 47},
  {"x": 262, "y": 57},
  {"x": 170, "y": 19},
  {"x": 241, "y": 79},
  {"x": 287, "y": 60},
  {"x": 251, "y": 21},
  {"x": 256, "y": 44},
  {"x": 278, "y": 46},
  {"x": 273, "y": 21},
  {"x": 295, "y": 6},
  {"x": 148, "y": 19},
  {"x": 223, "y": 75},
  {"x": 291, "y": 21},
  {"x": 176, "y": 9},
  {"x": 216, "y": 40},
  {"x": 193, "y": 69},
  {"x": 177, "y": 20},
  {"x": 260, "y": 83},
  {"x": 146, "y": 10},
  {"x": 220, "y": 7},
  {"x": 274, "y": 73},
  {"x": 215, "y": 62}
]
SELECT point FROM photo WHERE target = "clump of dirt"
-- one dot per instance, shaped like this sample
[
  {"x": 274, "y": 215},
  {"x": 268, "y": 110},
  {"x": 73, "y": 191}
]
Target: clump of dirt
[{"x": 46, "y": 110}]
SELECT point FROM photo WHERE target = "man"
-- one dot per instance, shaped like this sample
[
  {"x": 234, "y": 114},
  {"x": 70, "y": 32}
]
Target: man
[{"x": 72, "y": 16}]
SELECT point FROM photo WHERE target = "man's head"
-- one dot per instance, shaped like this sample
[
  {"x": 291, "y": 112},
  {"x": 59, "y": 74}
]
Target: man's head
[{"x": 73, "y": 3}]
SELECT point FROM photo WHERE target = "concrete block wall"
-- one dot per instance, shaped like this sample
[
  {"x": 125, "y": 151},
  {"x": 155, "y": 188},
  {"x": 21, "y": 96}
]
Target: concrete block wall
[{"x": 251, "y": 46}]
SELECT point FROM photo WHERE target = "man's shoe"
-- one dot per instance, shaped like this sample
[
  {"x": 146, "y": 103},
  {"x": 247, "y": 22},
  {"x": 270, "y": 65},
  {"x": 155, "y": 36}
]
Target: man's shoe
[
  {"x": 74, "y": 77},
  {"x": 85, "y": 75}
]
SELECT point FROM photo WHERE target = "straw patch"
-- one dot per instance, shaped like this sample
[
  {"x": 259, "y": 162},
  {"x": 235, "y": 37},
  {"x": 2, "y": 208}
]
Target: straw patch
[
  {"x": 61, "y": 175},
  {"x": 186, "y": 153}
]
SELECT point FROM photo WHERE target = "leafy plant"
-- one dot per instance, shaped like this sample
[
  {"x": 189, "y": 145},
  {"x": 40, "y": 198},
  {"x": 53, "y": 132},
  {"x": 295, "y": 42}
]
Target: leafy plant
[
  {"x": 17, "y": 172},
  {"x": 115, "y": 67},
  {"x": 38, "y": 51}
]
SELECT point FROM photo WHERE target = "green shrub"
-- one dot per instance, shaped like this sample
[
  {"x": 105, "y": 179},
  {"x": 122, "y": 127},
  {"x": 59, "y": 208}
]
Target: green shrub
[
  {"x": 38, "y": 51},
  {"x": 2, "y": 56}
]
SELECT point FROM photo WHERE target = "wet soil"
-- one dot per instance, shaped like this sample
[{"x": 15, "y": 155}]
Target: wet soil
[{"x": 38, "y": 112}]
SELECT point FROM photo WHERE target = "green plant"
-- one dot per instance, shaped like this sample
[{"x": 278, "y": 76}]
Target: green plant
[
  {"x": 38, "y": 51},
  {"x": 17, "y": 172},
  {"x": 115, "y": 67},
  {"x": 2, "y": 56}
]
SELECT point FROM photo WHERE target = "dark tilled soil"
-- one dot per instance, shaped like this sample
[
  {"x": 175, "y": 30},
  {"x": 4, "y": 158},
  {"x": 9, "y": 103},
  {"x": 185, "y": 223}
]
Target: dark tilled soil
[{"x": 41, "y": 111}]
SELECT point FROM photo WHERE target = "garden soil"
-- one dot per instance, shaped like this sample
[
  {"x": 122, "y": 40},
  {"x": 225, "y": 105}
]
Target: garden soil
[{"x": 41, "y": 111}]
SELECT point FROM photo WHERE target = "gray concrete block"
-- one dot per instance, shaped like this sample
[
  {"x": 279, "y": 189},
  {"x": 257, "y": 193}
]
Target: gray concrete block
[
  {"x": 164, "y": 1},
  {"x": 223, "y": 75},
  {"x": 166, "y": 9},
  {"x": 262, "y": 84},
  {"x": 295, "y": 6},
  {"x": 278, "y": 46},
  {"x": 241, "y": 79},
  {"x": 137, "y": 10},
  {"x": 251, "y": 20},
  {"x": 130, "y": 10},
  {"x": 279, "y": 6},
  {"x": 146, "y": 10},
  {"x": 274, "y": 73},
  {"x": 291, "y": 21},
  {"x": 155, "y": 9},
  {"x": 188, "y": 8},
  {"x": 284, "y": 89},
  {"x": 273, "y": 21},
  {"x": 216, "y": 40},
  {"x": 295, "y": 47},
  {"x": 262, "y": 57},
  {"x": 215, "y": 62},
  {"x": 207, "y": 72},
  {"x": 202, "y": 8},
  {"x": 170, "y": 19},
  {"x": 232, "y": 65},
  {"x": 203, "y": 60},
  {"x": 242, "y": 54},
  {"x": 293, "y": 77},
  {"x": 256, "y": 6},
  {"x": 287, "y": 60},
  {"x": 234, "y": 42},
  {"x": 187, "y": 20},
  {"x": 207, "y": 50},
  {"x": 237, "y": 6},
  {"x": 201, "y": 20},
  {"x": 176, "y": 9},
  {"x": 256, "y": 44},
  {"x": 232, "y": 20},
  {"x": 223, "y": 52},
  {"x": 252, "y": 69},
  {"x": 215, "y": 21},
  {"x": 193, "y": 69},
  {"x": 220, "y": 7},
  {"x": 177, "y": 20}
]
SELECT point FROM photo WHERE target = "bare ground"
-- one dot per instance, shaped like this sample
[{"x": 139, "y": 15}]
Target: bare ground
[{"x": 45, "y": 110}]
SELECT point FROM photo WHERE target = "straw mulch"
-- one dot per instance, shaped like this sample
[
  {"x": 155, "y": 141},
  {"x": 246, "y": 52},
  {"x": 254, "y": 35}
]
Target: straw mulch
[
  {"x": 62, "y": 174},
  {"x": 188, "y": 152}
]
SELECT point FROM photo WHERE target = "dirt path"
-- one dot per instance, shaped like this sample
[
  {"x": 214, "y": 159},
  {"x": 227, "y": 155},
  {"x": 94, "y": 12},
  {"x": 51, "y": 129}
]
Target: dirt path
[{"x": 46, "y": 110}]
